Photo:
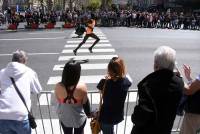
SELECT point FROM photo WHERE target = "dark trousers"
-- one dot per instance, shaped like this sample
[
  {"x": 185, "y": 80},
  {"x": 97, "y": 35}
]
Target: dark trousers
[
  {"x": 85, "y": 39},
  {"x": 69, "y": 130}
]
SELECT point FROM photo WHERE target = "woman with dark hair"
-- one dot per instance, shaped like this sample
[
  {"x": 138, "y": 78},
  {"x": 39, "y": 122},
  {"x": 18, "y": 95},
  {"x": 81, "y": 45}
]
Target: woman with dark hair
[
  {"x": 114, "y": 95},
  {"x": 71, "y": 96}
]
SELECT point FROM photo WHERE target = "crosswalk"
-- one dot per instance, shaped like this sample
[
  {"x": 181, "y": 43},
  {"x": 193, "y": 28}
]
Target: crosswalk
[{"x": 97, "y": 65}]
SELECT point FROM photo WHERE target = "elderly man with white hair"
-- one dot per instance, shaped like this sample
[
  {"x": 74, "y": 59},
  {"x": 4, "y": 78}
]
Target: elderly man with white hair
[
  {"x": 13, "y": 113},
  {"x": 159, "y": 96}
]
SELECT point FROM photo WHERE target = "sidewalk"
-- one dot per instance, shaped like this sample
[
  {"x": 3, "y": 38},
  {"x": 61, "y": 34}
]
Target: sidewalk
[{"x": 22, "y": 26}]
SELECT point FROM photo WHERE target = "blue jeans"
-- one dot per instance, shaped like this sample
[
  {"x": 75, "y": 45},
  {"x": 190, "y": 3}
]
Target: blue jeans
[
  {"x": 107, "y": 128},
  {"x": 14, "y": 127}
]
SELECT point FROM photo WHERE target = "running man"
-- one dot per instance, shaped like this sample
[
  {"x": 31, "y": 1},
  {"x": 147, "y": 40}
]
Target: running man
[{"x": 89, "y": 33}]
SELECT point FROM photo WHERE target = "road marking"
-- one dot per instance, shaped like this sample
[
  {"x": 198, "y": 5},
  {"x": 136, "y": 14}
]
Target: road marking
[
  {"x": 87, "y": 129},
  {"x": 50, "y": 99},
  {"x": 96, "y": 98},
  {"x": 62, "y": 37},
  {"x": 99, "y": 35},
  {"x": 90, "y": 57},
  {"x": 89, "y": 79},
  {"x": 33, "y": 54},
  {"x": 45, "y": 99},
  {"x": 90, "y": 38},
  {"x": 88, "y": 45},
  {"x": 47, "y": 126},
  {"x": 86, "y": 79},
  {"x": 84, "y": 66},
  {"x": 88, "y": 41},
  {"x": 86, "y": 50}
]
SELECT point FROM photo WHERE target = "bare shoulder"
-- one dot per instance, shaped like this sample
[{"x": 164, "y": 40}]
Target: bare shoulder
[
  {"x": 82, "y": 87},
  {"x": 58, "y": 86}
]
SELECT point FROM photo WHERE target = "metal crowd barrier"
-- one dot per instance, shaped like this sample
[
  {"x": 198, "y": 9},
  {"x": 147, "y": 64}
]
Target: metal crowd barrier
[{"x": 47, "y": 120}]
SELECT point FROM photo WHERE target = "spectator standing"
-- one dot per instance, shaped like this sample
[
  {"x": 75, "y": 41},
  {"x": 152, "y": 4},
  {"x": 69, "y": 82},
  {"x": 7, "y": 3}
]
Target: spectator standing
[
  {"x": 71, "y": 96},
  {"x": 191, "y": 121},
  {"x": 114, "y": 95},
  {"x": 159, "y": 96},
  {"x": 13, "y": 113}
]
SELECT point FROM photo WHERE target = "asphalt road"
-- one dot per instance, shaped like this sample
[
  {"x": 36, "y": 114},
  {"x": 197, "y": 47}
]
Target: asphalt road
[{"x": 136, "y": 46}]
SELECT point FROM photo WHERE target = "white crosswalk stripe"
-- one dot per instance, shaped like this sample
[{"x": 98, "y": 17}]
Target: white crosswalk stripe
[
  {"x": 84, "y": 66},
  {"x": 90, "y": 57},
  {"x": 88, "y": 41},
  {"x": 88, "y": 45},
  {"x": 86, "y": 79},
  {"x": 101, "y": 37},
  {"x": 94, "y": 99},
  {"x": 86, "y": 50}
]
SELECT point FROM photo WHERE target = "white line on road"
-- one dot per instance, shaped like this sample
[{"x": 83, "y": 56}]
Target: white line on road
[
  {"x": 88, "y": 45},
  {"x": 89, "y": 79},
  {"x": 62, "y": 37},
  {"x": 85, "y": 79},
  {"x": 91, "y": 57},
  {"x": 45, "y": 99},
  {"x": 86, "y": 50},
  {"x": 83, "y": 66},
  {"x": 101, "y": 37},
  {"x": 94, "y": 98},
  {"x": 88, "y": 41}
]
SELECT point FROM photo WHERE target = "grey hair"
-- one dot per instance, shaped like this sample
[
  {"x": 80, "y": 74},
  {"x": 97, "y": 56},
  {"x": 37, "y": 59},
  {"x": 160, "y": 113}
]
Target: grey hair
[
  {"x": 19, "y": 56},
  {"x": 165, "y": 57}
]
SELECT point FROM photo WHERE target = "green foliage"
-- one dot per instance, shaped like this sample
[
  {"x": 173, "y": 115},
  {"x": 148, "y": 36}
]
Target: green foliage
[
  {"x": 109, "y": 2},
  {"x": 57, "y": 7},
  {"x": 94, "y": 4}
]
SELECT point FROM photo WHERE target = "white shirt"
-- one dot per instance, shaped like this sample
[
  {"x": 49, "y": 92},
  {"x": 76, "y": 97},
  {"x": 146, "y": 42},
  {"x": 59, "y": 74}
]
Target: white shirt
[{"x": 11, "y": 106}]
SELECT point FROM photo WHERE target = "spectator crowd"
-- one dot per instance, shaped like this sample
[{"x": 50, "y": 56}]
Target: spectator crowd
[{"x": 111, "y": 18}]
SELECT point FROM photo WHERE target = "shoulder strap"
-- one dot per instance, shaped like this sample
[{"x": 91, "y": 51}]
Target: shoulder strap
[
  {"x": 70, "y": 96},
  {"x": 19, "y": 93},
  {"x": 101, "y": 96}
]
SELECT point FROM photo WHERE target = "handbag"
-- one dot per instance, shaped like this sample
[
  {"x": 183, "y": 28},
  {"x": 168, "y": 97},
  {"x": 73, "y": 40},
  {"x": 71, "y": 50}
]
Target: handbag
[
  {"x": 31, "y": 118},
  {"x": 94, "y": 123}
]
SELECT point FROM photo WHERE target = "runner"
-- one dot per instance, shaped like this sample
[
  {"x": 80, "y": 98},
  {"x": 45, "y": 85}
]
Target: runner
[{"x": 89, "y": 33}]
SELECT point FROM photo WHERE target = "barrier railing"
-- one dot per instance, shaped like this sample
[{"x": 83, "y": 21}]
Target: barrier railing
[{"x": 44, "y": 110}]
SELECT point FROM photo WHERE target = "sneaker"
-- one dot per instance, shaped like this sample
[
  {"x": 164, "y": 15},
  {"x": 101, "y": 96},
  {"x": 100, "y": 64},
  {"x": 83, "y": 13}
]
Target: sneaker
[
  {"x": 90, "y": 50},
  {"x": 74, "y": 51}
]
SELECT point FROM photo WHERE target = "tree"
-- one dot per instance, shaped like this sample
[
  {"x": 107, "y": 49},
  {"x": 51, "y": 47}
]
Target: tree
[
  {"x": 94, "y": 4},
  {"x": 106, "y": 4},
  {"x": 189, "y": 3}
]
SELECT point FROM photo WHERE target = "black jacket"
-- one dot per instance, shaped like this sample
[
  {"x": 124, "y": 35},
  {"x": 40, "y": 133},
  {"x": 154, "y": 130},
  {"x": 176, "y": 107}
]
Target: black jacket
[
  {"x": 115, "y": 92},
  {"x": 159, "y": 95}
]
